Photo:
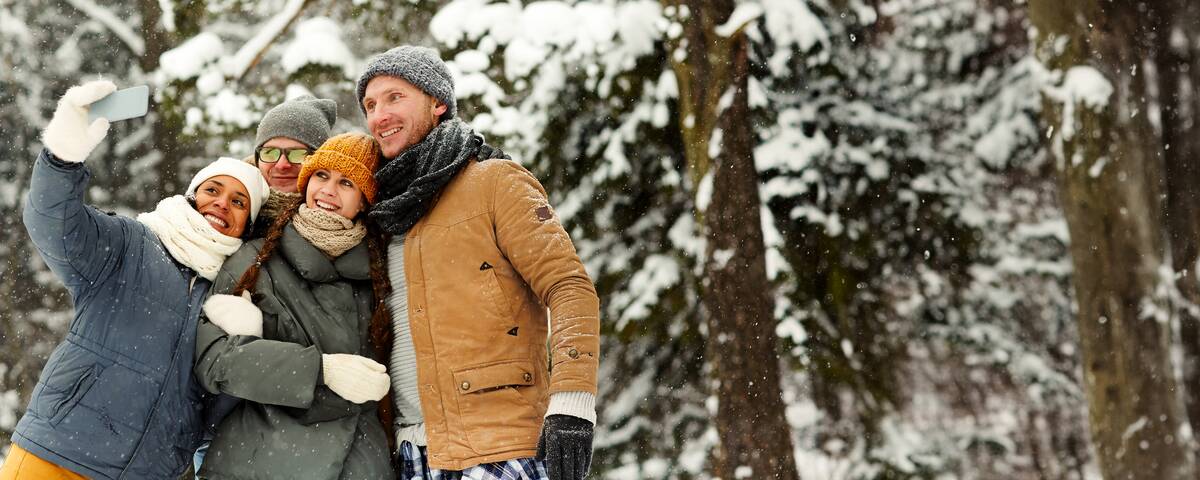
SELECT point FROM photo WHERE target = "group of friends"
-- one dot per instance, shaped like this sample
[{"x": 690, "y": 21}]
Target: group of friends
[{"x": 399, "y": 304}]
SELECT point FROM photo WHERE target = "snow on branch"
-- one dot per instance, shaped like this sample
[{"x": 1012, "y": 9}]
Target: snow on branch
[
  {"x": 1082, "y": 85},
  {"x": 107, "y": 18},
  {"x": 250, "y": 53},
  {"x": 741, "y": 16},
  {"x": 168, "y": 14}
]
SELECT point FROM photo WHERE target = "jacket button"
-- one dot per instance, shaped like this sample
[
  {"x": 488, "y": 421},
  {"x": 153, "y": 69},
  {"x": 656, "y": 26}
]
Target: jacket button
[
  {"x": 573, "y": 353},
  {"x": 528, "y": 377},
  {"x": 466, "y": 385}
]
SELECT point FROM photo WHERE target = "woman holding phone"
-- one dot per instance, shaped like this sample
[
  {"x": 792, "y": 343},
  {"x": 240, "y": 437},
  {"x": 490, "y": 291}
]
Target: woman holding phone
[{"x": 117, "y": 398}]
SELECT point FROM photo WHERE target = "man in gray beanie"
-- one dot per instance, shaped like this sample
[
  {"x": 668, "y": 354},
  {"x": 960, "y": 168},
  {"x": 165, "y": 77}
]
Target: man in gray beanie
[
  {"x": 288, "y": 133},
  {"x": 482, "y": 273}
]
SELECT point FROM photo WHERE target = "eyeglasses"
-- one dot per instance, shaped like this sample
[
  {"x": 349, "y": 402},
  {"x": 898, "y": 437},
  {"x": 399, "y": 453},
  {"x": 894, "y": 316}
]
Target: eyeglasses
[{"x": 295, "y": 156}]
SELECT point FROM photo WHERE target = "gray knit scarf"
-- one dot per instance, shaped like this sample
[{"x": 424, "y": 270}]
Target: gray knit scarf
[{"x": 409, "y": 183}]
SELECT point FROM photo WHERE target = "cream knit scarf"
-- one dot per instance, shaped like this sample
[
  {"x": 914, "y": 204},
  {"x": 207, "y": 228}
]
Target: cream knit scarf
[
  {"x": 189, "y": 237},
  {"x": 329, "y": 232}
]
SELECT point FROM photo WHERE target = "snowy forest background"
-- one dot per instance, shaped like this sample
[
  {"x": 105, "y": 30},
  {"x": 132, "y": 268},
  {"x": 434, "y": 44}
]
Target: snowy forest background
[{"x": 834, "y": 239}]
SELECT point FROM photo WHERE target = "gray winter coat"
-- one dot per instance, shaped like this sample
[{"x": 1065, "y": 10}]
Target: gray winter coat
[
  {"x": 291, "y": 425},
  {"x": 117, "y": 398}
]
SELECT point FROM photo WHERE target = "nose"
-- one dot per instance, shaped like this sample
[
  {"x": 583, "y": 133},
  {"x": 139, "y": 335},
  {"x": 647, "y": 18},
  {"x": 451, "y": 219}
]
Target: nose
[
  {"x": 375, "y": 117},
  {"x": 221, "y": 202},
  {"x": 329, "y": 189}
]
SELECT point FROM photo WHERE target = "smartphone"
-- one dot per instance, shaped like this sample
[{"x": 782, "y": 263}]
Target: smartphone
[{"x": 121, "y": 105}]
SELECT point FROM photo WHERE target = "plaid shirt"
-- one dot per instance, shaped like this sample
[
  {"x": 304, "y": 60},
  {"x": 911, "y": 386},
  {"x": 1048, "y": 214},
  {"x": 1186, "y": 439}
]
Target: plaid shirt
[{"x": 414, "y": 466}]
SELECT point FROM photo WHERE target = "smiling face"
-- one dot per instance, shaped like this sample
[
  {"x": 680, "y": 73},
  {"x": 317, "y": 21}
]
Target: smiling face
[
  {"x": 281, "y": 175},
  {"x": 399, "y": 114},
  {"x": 225, "y": 203},
  {"x": 330, "y": 191}
]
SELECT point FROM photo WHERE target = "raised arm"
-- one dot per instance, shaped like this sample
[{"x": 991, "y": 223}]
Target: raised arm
[{"x": 78, "y": 242}]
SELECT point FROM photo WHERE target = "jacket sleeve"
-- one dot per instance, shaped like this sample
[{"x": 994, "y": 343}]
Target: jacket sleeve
[
  {"x": 79, "y": 243},
  {"x": 255, "y": 369},
  {"x": 251, "y": 368},
  {"x": 530, "y": 235},
  {"x": 327, "y": 406}
]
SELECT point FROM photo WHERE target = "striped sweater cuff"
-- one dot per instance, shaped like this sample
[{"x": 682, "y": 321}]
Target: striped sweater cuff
[{"x": 575, "y": 404}]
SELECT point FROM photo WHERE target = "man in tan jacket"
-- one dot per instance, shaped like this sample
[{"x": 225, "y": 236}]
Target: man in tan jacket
[{"x": 482, "y": 273}]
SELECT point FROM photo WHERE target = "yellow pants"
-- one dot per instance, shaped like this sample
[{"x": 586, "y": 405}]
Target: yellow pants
[{"x": 22, "y": 465}]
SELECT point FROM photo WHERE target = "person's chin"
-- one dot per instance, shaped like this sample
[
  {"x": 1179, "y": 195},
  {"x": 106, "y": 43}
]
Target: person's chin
[
  {"x": 393, "y": 146},
  {"x": 284, "y": 185},
  {"x": 226, "y": 231}
]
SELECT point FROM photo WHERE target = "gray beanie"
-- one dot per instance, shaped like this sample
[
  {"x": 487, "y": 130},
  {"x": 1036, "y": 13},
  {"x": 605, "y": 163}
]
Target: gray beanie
[
  {"x": 420, "y": 66},
  {"x": 305, "y": 119}
]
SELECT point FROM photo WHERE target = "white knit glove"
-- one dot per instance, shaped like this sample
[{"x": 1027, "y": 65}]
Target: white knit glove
[
  {"x": 355, "y": 378},
  {"x": 235, "y": 315},
  {"x": 68, "y": 135}
]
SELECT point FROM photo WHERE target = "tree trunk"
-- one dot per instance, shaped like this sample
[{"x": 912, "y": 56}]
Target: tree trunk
[
  {"x": 1178, "y": 77},
  {"x": 1111, "y": 183},
  {"x": 755, "y": 437}
]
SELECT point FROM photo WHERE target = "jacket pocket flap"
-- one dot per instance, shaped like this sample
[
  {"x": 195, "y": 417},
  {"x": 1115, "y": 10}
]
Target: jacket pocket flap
[{"x": 474, "y": 379}]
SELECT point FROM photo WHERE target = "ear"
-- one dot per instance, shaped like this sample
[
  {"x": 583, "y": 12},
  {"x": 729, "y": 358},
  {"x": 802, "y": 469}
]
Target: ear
[{"x": 439, "y": 108}]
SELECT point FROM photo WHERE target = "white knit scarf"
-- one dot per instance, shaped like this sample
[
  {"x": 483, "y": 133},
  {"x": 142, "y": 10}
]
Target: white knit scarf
[
  {"x": 189, "y": 237},
  {"x": 329, "y": 232}
]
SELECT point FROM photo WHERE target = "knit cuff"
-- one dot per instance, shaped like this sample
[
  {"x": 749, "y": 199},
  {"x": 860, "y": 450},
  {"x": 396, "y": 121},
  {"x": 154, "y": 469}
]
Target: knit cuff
[{"x": 575, "y": 404}]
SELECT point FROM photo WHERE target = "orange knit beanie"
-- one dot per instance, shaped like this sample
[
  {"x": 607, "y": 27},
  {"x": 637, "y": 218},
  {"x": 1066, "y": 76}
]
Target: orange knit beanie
[{"x": 354, "y": 155}]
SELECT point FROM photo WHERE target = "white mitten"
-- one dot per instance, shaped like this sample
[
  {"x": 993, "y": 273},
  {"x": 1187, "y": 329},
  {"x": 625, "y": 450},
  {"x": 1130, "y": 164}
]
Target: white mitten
[
  {"x": 68, "y": 135},
  {"x": 355, "y": 378},
  {"x": 235, "y": 315}
]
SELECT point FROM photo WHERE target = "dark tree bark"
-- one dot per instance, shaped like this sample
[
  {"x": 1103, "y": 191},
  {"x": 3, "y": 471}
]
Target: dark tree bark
[
  {"x": 1111, "y": 186},
  {"x": 1178, "y": 74},
  {"x": 755, "y": 437}
]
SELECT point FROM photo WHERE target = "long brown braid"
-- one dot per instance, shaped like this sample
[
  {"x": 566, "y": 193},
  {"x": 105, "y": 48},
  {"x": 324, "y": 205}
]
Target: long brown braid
[
  {"x": 270, "y": 242},
  {"x": 379, "y": 332}
]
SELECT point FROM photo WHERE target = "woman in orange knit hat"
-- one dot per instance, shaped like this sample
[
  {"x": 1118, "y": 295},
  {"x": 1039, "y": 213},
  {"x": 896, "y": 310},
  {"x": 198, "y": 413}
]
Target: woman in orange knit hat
[{"x": 303, "y": 356}]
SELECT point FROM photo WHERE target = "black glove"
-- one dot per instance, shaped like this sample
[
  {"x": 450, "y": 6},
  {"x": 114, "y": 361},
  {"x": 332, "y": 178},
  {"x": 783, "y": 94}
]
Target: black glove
[{"x": 565, "y": 447}]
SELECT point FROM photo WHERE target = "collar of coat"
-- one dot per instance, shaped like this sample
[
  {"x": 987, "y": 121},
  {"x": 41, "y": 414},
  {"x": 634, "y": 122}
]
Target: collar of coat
[{"x": 315, "y": 266}]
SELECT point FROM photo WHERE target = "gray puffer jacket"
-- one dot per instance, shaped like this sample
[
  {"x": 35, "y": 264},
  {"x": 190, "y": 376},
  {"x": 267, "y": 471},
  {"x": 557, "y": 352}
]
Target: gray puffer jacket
[
  {"x": 117, "y": 399},
  {"x": 291, "y": 425}
]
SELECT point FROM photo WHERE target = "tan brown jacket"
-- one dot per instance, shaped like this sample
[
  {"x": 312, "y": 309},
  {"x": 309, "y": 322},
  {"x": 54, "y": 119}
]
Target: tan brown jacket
[{"x": 483, "y": 266}]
